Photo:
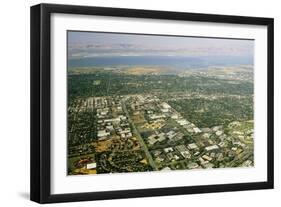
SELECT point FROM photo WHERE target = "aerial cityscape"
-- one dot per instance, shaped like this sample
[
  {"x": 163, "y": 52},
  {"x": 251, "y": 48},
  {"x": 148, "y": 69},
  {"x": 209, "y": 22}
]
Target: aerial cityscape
[{"x": 140, "y": 103}]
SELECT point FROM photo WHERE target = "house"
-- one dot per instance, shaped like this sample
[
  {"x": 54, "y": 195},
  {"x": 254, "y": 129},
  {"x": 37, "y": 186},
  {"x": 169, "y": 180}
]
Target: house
[
  {"x": 168, "y": 149},
  {"x": 91, "y": 166},
  {"x": 161, "y": 137},
  {"x": 206, "y": 135},
  {"x": 222, "y": 144},
  {"x": 110, "y": 127},
  {"x": 178, "y": 137},
  {"x": 113, "y": 120},
  {"x": 186, "y": 154},
  {"x": 202, "y": 161},
  {"x": 175, "y": 116},
  {"x": 156, "y": 153},
  {"x": 192, "y": 165},
  {"x": 192, "y": 146},
  {"x": 206, "y": 157},
  {"x": 219, "y": 133},
  {"x": 170, "y": 156},
  {"x": 129, "y": 135},
  {"x": 205, "y": 130},
  {"x": 165, "y": 110},
  {"x": 196, "y": 130},
  {"x": 152, "y": 140},
  {"x": 165, "y": 105},
  {"x": 103, "y": 133},
  {"x": 182, "y": 122},
  {"x": 216, "y": 128},
  {"x": 122, "y": 117},
  {"x": 153, "y": 116},
  {"x": 212, "y": 147},
  {"x": 247, "y": 163}
]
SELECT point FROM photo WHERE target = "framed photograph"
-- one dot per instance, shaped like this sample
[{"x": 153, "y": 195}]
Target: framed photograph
[{"x": 133, "y": 103}]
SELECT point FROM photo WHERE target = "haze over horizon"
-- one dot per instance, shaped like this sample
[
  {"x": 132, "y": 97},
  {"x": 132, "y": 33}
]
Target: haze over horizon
[{"x": 98, "y": 44}]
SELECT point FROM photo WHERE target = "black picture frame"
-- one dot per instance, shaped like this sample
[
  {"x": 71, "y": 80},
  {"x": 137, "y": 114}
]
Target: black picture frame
[{"x": 41, "y": 96}]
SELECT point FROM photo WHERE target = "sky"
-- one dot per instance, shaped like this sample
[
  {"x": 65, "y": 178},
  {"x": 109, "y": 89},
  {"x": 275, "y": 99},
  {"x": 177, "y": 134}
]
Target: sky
[{"x": 95, "y": 44}]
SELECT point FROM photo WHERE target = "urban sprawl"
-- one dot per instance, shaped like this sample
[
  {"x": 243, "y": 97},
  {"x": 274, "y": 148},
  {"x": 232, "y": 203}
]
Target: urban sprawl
[{"x": 120, "y": 121}]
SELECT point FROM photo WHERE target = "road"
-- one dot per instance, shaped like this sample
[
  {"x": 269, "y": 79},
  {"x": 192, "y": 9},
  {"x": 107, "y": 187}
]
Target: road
[{"x": 136, "y": 132}]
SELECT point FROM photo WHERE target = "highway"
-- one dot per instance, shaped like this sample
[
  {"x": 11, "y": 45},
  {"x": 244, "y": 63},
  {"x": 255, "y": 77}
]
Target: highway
[{"x": 136, "y": 132}]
